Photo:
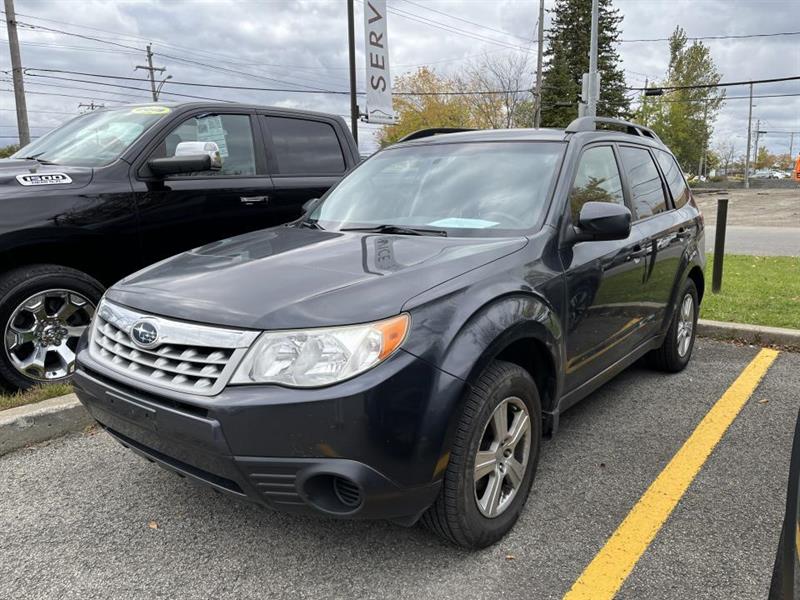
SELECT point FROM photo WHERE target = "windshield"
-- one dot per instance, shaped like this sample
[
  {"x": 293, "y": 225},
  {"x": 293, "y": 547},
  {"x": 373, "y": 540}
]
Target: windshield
[
  {"x": 94, "y": 139},
  {"x": 479, "y": 189}
]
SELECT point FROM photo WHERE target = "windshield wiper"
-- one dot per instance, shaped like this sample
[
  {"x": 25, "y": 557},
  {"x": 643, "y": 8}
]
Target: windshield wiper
[
  {"x": 41, "y": 161},
  {"x": 399, "y": 229}
]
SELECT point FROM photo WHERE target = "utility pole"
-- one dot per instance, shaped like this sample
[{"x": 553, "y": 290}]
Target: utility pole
[
  {"x": 23, "y": 131},
  {"x": 705, "y": 139},
  {"x": 755, "y": 150},
  {"x": 537, "y": 115},
  {"x": 593, "y": 81},
  {"x": 644, "y": 101},
  {"x": 151, "y": 71},
  {"x": 351, "y": 49},
  {"x": 749, "y": 131}
]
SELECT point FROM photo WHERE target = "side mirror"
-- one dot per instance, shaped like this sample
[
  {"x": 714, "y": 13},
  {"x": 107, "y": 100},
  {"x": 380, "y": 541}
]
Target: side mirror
[
  {"x": 310, "y": 205},
  {"x": 600, "y": 221},
  {"x": 190, "y": 157}
]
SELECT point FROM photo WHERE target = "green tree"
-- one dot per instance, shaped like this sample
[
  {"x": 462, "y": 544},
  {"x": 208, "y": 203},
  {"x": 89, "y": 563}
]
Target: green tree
[
  {"x": 684, "y": 118},
  {"x": 426, "y": 105},
  {"x": 7, "y": 151},
  {"x": 568, "y": 59}
]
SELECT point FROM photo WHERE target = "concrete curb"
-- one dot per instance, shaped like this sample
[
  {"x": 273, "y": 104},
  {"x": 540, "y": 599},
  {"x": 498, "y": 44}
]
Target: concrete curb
[
  {"x": 751, "y": 334},
  {"x": 42, "y": 421}
]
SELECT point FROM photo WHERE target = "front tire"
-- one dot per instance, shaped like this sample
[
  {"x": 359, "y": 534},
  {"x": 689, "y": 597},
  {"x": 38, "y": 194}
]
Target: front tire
[
  {"x": 676, "y": 350},
  {"x": 493, "y": 459},
  {"x": 43, "y": 311}
]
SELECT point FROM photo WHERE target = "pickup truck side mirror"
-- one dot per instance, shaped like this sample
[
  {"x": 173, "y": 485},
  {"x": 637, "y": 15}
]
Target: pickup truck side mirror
[
  {"x": 310, "y": 205},
  {"x": 189, "y": 157},
  {"x": 602, "y": 221}
]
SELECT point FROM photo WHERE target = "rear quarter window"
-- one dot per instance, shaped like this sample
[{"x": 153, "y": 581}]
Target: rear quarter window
[
  {"x": 304, "y": 147},
  {"x": 675, "y": 181}
]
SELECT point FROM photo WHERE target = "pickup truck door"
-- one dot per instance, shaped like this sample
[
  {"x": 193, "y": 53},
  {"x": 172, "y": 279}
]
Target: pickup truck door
[
  {"x": 306, "y": 157},
  {"x": 181, "y": 212}
]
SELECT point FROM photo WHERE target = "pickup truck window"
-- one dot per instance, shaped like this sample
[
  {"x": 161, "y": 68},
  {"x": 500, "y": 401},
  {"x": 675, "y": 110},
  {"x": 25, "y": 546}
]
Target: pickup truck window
[
  {"x": 304, "y": 147},
  {"x": 232, "y": 134},
  {"x": 95, "y": 139}
]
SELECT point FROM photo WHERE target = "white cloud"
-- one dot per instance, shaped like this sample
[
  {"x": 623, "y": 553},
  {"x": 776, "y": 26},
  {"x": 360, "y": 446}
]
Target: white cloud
[{"x": 304, "y": 43}]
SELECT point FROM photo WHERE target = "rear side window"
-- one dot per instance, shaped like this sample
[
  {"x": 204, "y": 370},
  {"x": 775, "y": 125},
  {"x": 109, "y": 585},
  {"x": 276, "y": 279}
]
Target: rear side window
[
  {"x": 672, "y": 173},
  {"x": 597, "y": 180},
  {"x": 645, "y": 182},
  {"x": 305, "y": 147}
]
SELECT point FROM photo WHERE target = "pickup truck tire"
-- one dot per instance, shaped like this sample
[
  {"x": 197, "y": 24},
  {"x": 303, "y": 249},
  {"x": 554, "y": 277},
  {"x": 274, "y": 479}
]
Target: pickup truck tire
[
  {"x": 499, "y": 425},
  {"x": 43, "y": 310},
  {"x": 676, "y": 350}
]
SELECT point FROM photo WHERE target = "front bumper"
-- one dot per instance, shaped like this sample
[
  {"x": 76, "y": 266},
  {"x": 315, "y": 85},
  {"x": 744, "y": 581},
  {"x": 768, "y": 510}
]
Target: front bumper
[{"x": 382, "y": 433}]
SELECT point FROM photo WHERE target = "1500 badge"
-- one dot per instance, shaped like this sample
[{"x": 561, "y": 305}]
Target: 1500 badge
[{"x": 45, "y": 179}]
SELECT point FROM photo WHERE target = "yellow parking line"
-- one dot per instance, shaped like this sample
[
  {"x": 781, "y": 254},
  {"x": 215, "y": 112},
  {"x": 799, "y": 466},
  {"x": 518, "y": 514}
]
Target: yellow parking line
[{"x": 609, "y": 569}]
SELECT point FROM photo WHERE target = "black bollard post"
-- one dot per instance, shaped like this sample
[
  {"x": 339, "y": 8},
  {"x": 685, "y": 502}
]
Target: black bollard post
[{"x": 719, "y": 244}]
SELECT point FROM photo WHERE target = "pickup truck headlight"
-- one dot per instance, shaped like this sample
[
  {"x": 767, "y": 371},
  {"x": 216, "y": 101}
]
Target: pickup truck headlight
[{"x": 322, "y": 356}]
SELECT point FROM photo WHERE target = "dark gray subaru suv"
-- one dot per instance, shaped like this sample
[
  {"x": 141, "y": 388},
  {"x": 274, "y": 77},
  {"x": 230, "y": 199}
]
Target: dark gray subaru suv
[{"x": 400, "y": 351}]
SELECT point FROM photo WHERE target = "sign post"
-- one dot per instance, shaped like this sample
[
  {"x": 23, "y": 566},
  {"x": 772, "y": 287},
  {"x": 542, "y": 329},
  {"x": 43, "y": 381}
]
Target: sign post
[{"x": 379, "y": 81}]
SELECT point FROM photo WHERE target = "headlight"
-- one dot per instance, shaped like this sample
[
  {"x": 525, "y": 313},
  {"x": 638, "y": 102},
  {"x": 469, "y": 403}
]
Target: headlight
[{"x": 317, "y": 357}]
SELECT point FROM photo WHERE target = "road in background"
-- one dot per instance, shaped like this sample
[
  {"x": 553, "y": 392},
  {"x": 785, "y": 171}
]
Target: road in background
[
  {"x": 76, "y": 512},
  {"x": 757, "y": 241}
]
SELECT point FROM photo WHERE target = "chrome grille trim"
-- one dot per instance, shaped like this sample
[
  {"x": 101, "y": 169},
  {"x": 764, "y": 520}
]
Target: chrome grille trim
[{"x": 193, "y": 358}]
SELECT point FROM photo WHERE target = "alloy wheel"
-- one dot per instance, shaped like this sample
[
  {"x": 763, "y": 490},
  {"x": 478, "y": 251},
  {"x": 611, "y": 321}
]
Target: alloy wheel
[
  {"x": 685, "y": 325},
  {"x": 502, "y": 457},
  {"x": 41, "y": 336}
]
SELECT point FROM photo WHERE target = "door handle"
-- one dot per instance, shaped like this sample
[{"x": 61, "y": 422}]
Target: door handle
[{"x": 254, "y": 199}]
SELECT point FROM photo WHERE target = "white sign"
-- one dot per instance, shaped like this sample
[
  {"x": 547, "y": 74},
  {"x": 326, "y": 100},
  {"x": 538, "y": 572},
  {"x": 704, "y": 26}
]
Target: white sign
[
  {"x": 379, "y": 82},
  {"x": 46, "y": 179}
]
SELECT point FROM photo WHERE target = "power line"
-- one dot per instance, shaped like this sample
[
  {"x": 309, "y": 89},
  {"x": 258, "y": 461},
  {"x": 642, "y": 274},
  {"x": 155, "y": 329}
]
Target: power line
[
  {"x": 715, "y": 85},
  {"x": 508, "y": 33},
  {"x": 716, "y": 37}
]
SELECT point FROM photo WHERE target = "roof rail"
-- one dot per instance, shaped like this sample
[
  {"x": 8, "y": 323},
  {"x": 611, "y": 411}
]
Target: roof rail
[
  {"x": 423, "y": 133},
  {"x": 590, "y": 124}
]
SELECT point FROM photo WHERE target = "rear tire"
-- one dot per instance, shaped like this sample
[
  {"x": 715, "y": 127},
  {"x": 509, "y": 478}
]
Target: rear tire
[
  {"x": 676, "y": 350},
  {"x": 476, "y": 507},
  {"x": 43, "y": 311}
]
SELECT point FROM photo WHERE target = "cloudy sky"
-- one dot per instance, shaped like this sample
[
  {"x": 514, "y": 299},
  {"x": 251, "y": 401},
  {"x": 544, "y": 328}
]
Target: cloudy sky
[{"x": 302, "y": 45}]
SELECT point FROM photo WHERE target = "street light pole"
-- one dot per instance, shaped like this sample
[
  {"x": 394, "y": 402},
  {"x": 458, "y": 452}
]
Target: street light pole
[
  {"x": 351, "y": 48},
  {"x": 537, "y": 115},
  {"x": 593, "y": 83},
  {"x": 157, "y": 93}
]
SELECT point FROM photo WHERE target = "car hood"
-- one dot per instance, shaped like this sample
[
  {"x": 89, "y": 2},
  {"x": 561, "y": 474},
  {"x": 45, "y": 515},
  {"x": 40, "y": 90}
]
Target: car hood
[
  {"x": 10, "y": 168},
  {"x": 290, "y": 277}
]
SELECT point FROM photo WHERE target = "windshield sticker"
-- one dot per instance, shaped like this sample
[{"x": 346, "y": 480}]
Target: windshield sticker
[
  {"x": 456, "y": 222},
  {"x": 210, "y": 129},
  {"x": 150, "y": 110},
  {"x": 46, "y": 179}
]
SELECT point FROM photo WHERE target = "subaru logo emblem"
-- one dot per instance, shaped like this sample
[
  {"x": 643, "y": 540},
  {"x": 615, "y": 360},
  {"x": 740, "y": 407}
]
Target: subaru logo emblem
[{"x": 145, "y": 334}]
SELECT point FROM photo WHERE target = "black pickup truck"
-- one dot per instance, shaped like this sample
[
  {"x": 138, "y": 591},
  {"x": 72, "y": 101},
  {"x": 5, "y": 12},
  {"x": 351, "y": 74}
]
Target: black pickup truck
[{"x": 117, "y": 189}]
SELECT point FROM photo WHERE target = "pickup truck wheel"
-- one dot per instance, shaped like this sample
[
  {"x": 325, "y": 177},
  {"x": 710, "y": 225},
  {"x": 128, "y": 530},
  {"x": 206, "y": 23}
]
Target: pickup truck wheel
[
  {"x": 44, "y": 309},
  {"x": 493, "y": 459},
  {"x": 676, "y": 350}
]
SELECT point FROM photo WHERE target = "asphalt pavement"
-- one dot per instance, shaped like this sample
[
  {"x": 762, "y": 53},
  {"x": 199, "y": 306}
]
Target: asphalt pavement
[
  {"x": 757, "y": 241},
  {"x": 83, "y": 518}
]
